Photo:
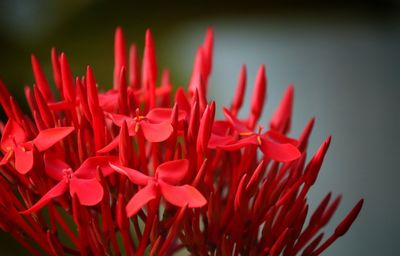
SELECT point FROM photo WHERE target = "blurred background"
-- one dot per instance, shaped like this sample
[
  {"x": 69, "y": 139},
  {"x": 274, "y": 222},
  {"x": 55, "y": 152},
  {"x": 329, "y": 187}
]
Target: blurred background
[{"x": 343, "y": 58}]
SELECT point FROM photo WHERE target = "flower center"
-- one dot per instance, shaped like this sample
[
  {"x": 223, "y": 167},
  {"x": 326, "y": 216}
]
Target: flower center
[
  {"x": 246, "y": 133},
  {"x": 137, "y": 119},
  {"x": 67, "y": 174}
]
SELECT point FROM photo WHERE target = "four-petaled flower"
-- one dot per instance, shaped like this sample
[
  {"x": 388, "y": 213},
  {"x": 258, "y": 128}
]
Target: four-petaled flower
[
  {"x": 82, "y": 182},
  {"x": 164, "y": 182},
  {"x": 273, "y": 144},
  {"x": 14, "y": 142},
  {"x": 156, "y": 125}
]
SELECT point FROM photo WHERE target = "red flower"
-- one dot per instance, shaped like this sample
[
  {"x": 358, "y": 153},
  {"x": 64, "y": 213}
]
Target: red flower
[
  {"x": 273, "y": 144},
  {"x": 166, "y": 176},
  {"x": 156, "y": 126},
  {"x": 81, "y": 182},
  {"x": 14, "y": 143}
]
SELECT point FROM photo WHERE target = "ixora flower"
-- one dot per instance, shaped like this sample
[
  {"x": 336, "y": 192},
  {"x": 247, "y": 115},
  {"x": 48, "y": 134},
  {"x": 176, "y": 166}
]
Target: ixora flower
[{"x": 152, "y": 172}]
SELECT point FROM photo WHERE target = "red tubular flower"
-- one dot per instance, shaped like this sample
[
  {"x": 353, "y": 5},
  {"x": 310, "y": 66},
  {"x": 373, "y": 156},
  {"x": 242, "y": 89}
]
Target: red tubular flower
[{"x": 212, "y": 186}]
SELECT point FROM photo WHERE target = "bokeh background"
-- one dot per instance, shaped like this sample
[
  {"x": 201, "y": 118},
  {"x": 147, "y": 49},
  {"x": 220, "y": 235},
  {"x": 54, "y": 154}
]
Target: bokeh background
[{"x": 343, "y": 58}]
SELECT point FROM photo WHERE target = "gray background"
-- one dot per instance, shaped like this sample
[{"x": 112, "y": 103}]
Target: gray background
[{"x": 343, "y": 59}]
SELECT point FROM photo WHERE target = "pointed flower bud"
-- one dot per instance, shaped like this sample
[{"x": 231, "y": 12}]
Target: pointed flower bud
[{"x": 119, "y": 56}]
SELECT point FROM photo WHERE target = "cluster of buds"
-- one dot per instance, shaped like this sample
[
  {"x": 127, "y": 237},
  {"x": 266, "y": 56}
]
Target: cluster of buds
[{"x": 139, "y": 169}]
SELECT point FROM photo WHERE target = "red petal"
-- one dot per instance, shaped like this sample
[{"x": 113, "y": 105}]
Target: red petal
[
  {"x": 133, "y": 175},
  {"x": 49, "y": 137},
  {"x": 23, "y": 160},
  {"x": 88, "y": 168},
  {"x": 11, "y": 131},
  {"x": 221, "y": 127},
  {"x": 218, "y": 141},
  {"x": 54, "y": 167},
  {"x": 6, "y": 157},
  {"x": 113, "y": 144},
  {"x": 141, "y": 198},
  {"x": 173, "y": 172},
  {"x": 280, "y": 138},
  {"x": 182, "y": 100},
  {"x": 281, "y": 152},
  {"x": 120, "y": 119},
  {"x": 249, "y": 140},
  {"x": 238, "y": 125},
  {"x": 159, "y": 115},
  {"x": 56, "y": 191},
  {"x": 156, "y": 132},
  {"x": 182, "y": 195},
  {"x": 108, "y": 101},
  {"x": 89, "y": 191}
]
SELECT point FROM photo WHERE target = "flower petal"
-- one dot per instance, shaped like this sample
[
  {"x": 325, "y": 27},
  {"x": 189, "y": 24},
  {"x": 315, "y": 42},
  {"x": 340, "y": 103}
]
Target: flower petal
[
  {"x": 54, "y": 167},
  {"x": 89, "y": 191},
  {"x": 221, "y": 127},
  {"x": 23, "y": 160},
  {"x": 141, "y": 198},
  {"x": 6, "y": 157},
  {"x": 12, "y": 131},
  {"x": 238, "y": 125},
  {"x": 156, "y": 132},
  {"x": 133, "y": 175},
  {"x": 281, "y": 152},
  {"x": 173, "y": 172},
  {"x": 49, "y": 137},
  {"x": 87, "y": 170},
  {"x": 280, "y": 138},
  {"x": 218, "y": 140},
  {"x": 113, "y": 144},
  {"x": 159, "y": 115},
  {"x": 118, "y": 119},
  {"x": 181, "y": 100},
  {"x": 182, "y": 195},
  {"x": 56, "y": 191},
  {"x": 248, "y": 140},
  {"x": 108, "y": 101}
]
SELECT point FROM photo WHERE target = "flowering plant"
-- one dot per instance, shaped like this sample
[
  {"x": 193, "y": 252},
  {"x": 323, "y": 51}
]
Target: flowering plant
[{"x": 148, "y": 171}]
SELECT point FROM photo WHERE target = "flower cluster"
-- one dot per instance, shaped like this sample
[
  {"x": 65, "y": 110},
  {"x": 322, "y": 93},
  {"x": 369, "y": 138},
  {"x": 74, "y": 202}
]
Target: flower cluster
[{"x": 139, "y": 169}]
